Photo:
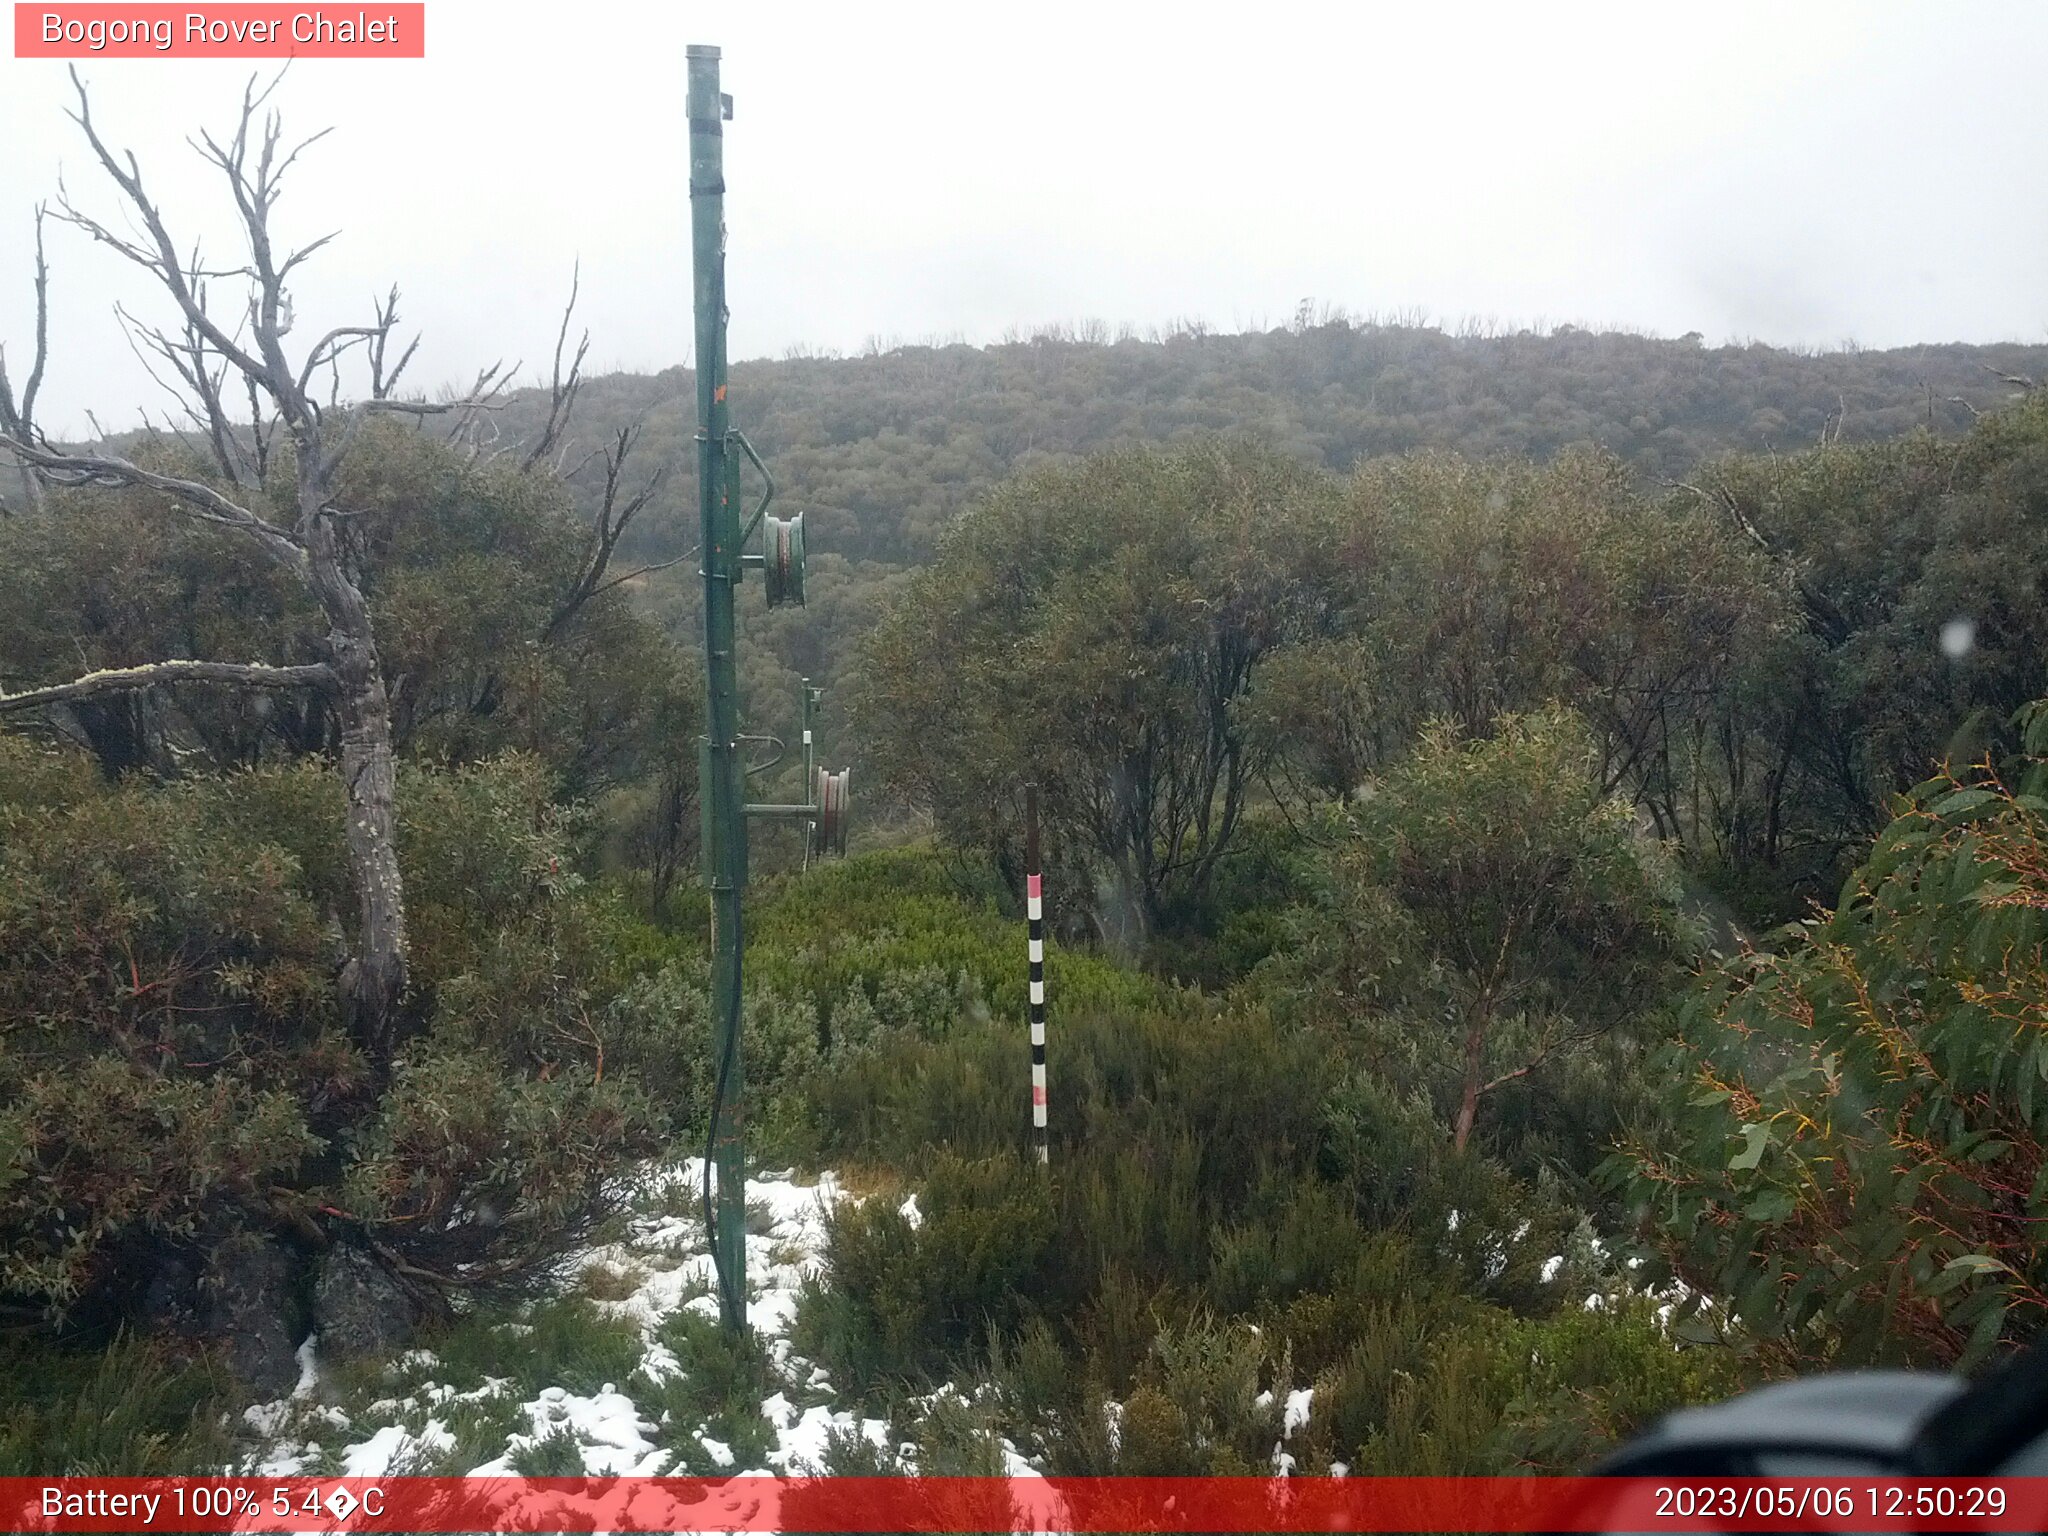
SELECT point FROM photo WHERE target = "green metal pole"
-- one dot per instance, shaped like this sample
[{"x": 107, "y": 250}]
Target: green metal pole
[{"x": 725, "y": 852}]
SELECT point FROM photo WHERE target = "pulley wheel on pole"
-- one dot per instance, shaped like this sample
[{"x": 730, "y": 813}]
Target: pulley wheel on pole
[
  {"x": 832, "y": 793},
  {"x": 783, "y": 559}
]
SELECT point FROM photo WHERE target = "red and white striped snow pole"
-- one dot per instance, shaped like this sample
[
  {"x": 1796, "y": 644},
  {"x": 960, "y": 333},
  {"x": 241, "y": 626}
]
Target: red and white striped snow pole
[{"x": 1034, "y": 913}]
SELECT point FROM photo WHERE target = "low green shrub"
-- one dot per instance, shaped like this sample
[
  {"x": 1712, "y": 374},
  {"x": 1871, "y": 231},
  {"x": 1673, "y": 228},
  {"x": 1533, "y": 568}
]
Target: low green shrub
[
  {"x": 910, "y": 1297},
  {"x": 716, "y": 1391},
  {"x": 558, "y": 1453},
  {"x": 1502, "y": 1395},
  {"x": 130, "y": 1409},
  {"x": 1233, "y": 1209},
  {"x": 179, "y": 1069}
]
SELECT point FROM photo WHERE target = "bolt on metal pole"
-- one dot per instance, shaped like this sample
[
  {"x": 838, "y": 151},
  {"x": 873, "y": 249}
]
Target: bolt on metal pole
[{"x": 720, "y": 769}]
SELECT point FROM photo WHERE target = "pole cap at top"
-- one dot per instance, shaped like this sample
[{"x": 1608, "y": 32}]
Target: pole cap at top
[{"x": 701, "y": 51}]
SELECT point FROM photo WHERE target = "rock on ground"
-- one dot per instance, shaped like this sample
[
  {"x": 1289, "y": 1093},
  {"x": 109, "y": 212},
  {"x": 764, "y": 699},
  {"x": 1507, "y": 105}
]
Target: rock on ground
[
  {"x": 358, "y": 1308},
  {"x": 248, "y": 1305}
]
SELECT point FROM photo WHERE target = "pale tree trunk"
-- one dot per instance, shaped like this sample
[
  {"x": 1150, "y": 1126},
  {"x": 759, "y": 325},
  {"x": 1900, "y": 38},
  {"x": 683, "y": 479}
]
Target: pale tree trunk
[{"x": 369, "y": 776}]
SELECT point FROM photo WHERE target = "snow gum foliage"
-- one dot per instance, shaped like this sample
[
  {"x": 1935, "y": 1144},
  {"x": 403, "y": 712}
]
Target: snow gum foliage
[
  {"x": 1485, "y": 922},
  {"x": 1091, "y": 627},
  {"x": 1859, "y": 1165}
]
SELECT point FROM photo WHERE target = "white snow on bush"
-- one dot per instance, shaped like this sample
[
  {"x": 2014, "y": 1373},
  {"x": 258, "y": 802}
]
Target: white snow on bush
[{"x": 1297, "y": 1409}]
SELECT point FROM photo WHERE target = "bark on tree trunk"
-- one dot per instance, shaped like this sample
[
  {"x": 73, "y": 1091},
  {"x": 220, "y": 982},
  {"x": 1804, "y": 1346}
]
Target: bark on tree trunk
[
  {"x": 1468, "y": 1103},
  {"x": 369, "y": 776}
]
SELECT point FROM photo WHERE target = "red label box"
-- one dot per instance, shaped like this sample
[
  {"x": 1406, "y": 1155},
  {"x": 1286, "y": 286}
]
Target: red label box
[{"x": 230, "y": 31}]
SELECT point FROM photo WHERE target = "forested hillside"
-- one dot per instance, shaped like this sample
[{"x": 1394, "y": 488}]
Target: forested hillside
[{"x": 884, "y": 450}]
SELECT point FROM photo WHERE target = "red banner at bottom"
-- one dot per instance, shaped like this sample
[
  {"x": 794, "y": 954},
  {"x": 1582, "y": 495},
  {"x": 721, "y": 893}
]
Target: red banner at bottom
[{"x": 1057, "y": 1505}]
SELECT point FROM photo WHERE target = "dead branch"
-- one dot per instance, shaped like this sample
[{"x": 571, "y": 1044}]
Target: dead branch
[
  {"x": 2018, "y": 379},
  {"x": 1822, "y": 615},
  {"x": 160, "y": 256},
  {"x": 127, "y": 679},
  {"x": 1728, "y": 502},
  {"x": 607, "y": 528},
  {"x": 382, "y": 383},
  {"x": 199, "y": 393},
  {"x": 18, "y": 417},
  {"x": 261, "y": 426},
  {"x": 645, "y": 570},
  {"x": 562, "y": 391},
  {"x": 194, "y": 498},
  {"x": 482, "y": 397},
  {"x": 330, "y": 349}
]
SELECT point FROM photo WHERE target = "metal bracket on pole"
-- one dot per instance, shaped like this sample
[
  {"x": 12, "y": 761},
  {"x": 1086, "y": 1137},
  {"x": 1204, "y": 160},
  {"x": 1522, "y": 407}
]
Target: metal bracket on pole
[
  {"x": 825, "y": 814},
  {"x": 768, "y": 486}
]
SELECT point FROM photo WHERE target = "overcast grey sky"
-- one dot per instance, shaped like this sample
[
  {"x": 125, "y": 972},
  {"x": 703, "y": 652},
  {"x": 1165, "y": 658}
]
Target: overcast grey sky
[{"x": 1803, "y": 173}]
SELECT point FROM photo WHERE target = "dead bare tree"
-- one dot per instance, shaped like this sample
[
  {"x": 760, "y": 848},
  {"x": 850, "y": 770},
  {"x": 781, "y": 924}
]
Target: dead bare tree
[
  {"x": 208, "y": 357},
  {"x": 562, "y": 389},
  {"x": 550, "y": 451},
  {"x": 18, "y": 416},
  {"x": 607, "y": 526}
]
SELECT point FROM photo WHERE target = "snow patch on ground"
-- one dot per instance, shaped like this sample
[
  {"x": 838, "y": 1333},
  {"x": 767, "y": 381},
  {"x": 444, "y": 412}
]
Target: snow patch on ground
[
  {"x": 664, "y": 1266},
  {"x": 608, "y": 1427},
  {"x": 801, "y": 1434},
  {"x": 393, "y": 1448}
]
